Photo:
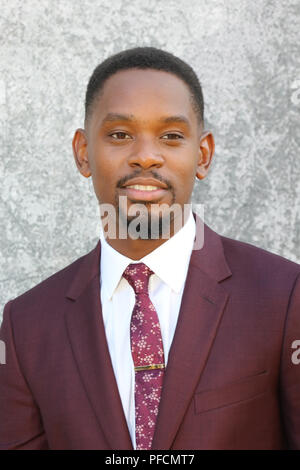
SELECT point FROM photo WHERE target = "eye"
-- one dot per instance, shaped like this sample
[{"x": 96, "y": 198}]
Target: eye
[
  {"x": 172, "y": 136},
  {"x": 119, "y": 136}
]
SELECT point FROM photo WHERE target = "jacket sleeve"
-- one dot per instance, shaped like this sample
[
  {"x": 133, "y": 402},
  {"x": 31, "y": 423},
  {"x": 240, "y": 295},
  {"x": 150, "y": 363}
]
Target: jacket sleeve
[
  {"x": 21, "y": 426},
  {"x": 290, "y": 370}
]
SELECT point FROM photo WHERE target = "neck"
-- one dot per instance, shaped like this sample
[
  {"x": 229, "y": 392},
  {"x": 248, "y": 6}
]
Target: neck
[{"x": 135, "y": 249}]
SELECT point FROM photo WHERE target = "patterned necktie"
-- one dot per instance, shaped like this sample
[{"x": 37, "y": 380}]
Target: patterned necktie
[{"x": 147, "y": 353}]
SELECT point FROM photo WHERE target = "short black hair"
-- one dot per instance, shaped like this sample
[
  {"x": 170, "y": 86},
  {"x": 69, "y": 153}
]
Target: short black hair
[{"x": 144, "y": 58}]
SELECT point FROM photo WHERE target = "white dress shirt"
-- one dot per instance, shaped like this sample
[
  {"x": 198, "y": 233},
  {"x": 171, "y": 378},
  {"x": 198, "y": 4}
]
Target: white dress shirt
[{"x": 170, "y": 263}]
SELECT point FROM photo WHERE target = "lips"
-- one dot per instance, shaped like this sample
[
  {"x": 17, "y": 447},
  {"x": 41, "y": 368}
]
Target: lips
[
  {"x": 141, "y": 189},
  {"x": 145, "y": 182}
]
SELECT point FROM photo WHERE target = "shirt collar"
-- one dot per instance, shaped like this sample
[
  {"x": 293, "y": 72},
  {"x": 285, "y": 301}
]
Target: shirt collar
[{"x": 169, "y": 261}]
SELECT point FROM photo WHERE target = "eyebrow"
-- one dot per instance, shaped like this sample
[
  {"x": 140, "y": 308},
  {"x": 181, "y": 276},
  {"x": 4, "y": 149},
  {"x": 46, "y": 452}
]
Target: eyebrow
[{"x": 111, "y": 117}]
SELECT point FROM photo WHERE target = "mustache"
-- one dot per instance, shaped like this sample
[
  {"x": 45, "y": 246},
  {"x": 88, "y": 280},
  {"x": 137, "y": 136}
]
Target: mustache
[{"x": 138, "y": 173}]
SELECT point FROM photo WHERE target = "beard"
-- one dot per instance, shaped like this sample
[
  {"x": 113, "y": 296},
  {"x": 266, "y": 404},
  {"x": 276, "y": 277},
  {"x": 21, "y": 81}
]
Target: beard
[
  {"x": 144, "y": 227},
  {"x": 149, "y": 221}
]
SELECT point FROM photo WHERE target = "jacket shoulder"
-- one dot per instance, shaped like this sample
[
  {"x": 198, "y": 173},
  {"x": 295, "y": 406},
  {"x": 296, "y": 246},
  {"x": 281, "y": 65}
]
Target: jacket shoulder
[
  {"x": 244, "y": 256},
  {"x": 53, "y": 287}
]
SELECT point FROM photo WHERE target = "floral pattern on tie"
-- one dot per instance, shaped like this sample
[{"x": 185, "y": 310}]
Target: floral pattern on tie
[{"x": 147, "y": 349}]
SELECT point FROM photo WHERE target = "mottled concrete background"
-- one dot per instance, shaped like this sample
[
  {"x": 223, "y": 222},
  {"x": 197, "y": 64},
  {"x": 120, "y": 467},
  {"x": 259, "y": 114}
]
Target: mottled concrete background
[{"x": 247, "y": 57}]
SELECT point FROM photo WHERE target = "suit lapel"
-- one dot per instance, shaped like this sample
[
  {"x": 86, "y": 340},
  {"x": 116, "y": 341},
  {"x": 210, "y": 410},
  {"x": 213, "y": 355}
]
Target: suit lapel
[
  {"x": 88, "y": 341},
  {"x": 202, "y": 307}
]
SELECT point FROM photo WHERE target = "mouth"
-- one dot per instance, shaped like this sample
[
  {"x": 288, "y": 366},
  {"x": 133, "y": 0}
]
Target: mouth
[
  {"x": 147, "y": 193},
  {"x": 144, "y": 190}
]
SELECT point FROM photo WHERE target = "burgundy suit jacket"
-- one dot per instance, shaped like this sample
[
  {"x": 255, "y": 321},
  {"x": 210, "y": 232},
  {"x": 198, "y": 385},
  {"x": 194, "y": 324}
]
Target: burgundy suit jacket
[{"x": 230, "y": 382}]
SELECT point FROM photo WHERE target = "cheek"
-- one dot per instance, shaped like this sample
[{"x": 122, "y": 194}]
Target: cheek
[
  {"x": 105, "y": 167},
  {"x": 104, "y": 181},
  {"x": 185, "y": 182},
  {"x": 185, "y": 175},
  {"x": 185, "y": 163}
]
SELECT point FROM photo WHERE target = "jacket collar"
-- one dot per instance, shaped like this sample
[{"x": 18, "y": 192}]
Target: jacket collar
[{"x": 210, "y": 259}]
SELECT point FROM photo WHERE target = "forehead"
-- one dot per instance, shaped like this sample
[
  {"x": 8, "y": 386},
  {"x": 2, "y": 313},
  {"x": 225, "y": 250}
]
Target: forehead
[{"x": 145, "y": 94}]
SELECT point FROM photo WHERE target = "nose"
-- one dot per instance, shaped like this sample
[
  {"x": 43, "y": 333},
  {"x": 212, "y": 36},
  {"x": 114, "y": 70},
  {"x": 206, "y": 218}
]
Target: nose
[{"x": 145, "y": 154}]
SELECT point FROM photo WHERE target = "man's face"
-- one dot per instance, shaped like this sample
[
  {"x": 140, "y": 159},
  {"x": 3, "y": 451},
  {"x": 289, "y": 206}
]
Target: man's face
[{"x": 143, "y": 140}]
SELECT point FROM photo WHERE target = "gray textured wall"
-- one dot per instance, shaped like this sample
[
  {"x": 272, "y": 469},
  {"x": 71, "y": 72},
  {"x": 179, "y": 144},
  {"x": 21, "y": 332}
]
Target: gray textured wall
[{"x": 247, "y": 57}]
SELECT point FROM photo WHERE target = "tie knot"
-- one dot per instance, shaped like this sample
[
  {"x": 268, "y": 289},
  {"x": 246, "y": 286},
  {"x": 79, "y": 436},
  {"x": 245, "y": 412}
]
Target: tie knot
[{"x": 137, "y": 274}]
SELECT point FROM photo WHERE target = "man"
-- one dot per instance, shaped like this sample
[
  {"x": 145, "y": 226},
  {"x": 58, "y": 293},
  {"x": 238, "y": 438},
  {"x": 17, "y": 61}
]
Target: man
[{"x": 145, "y": 342}]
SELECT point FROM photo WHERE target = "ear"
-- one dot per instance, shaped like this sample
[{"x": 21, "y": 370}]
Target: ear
[
  {"x": 206, "y": 152},
  {"x": 79, "y": 145}
]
